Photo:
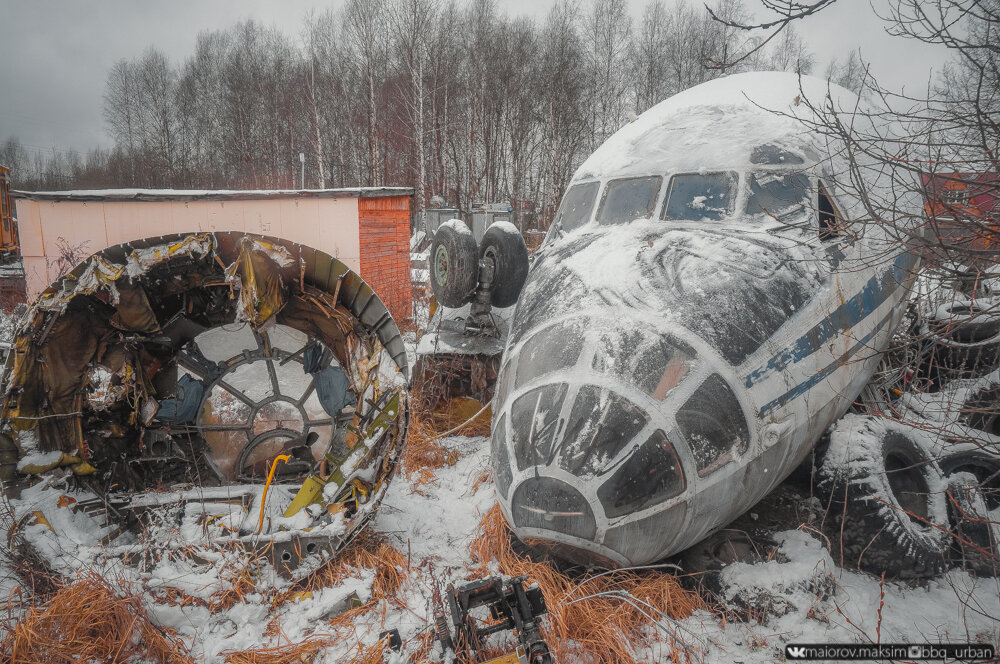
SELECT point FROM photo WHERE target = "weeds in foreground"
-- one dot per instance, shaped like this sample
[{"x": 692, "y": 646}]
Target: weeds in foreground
[
  {"x": 92, "y": 619},
  {"x": 597, "y": 616}
]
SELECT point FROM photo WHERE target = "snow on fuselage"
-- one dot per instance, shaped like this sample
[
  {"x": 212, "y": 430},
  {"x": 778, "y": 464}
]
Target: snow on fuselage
[{"x": 705, "y": 306}]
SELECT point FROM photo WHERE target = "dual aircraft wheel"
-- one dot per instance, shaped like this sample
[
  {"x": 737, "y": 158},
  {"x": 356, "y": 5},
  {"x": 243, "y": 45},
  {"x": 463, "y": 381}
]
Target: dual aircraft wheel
[{"x": 455, "y": 263}]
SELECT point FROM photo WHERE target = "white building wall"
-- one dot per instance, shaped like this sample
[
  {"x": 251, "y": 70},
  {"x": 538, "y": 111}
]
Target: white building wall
[{"x": 327, "y": 224}]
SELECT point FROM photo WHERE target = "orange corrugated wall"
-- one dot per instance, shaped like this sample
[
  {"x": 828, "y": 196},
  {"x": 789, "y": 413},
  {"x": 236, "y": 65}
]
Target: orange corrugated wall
[{"x": 384, "y": 225}]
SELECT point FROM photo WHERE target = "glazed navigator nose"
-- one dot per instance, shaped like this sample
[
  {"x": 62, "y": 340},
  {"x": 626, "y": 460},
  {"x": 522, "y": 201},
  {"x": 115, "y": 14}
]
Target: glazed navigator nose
[{"x": 602, "y": 430}]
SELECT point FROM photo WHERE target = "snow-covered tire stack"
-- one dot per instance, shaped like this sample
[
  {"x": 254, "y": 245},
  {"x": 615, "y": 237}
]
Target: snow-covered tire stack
[
  {"x": 704, "y": 562},
  {"x": 887, "y": 497},
  {"x": 794, "y": 576},
  {"x": 964, "y": 339},
  {"x": 977, "y": 536}
]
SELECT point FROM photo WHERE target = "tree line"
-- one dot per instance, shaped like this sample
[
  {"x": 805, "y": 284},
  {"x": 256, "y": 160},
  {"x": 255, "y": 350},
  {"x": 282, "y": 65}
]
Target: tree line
[{"x": 458, "y": 99}]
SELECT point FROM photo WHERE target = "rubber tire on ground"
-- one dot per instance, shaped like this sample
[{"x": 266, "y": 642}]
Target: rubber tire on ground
[
  {"x": 883, "y": 485},
  {"x": 510, "y": 256},
  {"x": 965, "y": 321},
  {"x": 977, "y": 460},
  {"x": 976, "y": 545},
  {"x": 979, "y": 410},
  {"x": 972, "y": 324},
  {"x": 964, "y": 342},
  {"x": 454, "y": 266},
  {"x": 704, "y": 561}
]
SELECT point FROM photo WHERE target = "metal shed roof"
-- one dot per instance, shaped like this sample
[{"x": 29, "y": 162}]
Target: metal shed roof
[{"x": 209, "y": 195}]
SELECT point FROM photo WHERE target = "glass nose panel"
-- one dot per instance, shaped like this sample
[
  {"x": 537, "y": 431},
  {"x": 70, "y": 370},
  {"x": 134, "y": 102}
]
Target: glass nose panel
[
  {"x": 713, "y": 425},
  {"x": 600, "y": 425},
  {"x": 502, "y": 474},
  {"x": 534, "y": 418},
  {"x": 547, "y": 503},
  {"x": 650, "y": 476},
  {"x": 653, "y": 363},
  {"x": 553, "y": 348}
]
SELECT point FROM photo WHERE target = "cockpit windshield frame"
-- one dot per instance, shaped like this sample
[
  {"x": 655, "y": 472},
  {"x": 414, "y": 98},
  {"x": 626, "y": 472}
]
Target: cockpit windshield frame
[
  {"x": 679, "y": 190},
  {"x": 616, "y": 194},
  {"x": 789, "y": 210}
]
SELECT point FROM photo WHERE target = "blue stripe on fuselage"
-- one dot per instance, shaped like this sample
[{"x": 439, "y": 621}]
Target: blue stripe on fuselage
[
  {"x": 808, "y": 384},
  {"x": 876, "y": 291}
]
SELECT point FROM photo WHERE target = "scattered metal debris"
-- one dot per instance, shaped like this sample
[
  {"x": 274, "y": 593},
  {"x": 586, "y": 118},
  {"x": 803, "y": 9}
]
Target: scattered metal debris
[{"x": 511, "y": 606}]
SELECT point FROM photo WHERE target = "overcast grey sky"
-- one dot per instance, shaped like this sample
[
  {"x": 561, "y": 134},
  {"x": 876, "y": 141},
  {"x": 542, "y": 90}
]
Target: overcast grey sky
[{"x": 55, "y": 54}]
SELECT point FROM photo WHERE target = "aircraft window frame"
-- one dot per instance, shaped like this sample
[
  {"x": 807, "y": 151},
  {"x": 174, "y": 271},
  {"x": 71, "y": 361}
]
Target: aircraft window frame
[
  {"x": 834, "y": 227},
  {"x": 651, "y": 475},
  {"x": 607, "y": 420},
  {"x": 556, "y": 225},
  {"x": 500, "y": 458},
  {"x": 654, "y": 363},
  {"x": 555, "y": 348},
  {"x": 557, "y": 219},
  {"x": 734, "y": 190},
  {"x": 782, "y": 217},
  {"x": 772, "y": 154},
  {"x": 533, "y": 435},
  {"x": 654, "y": 199},
  {"x": 713, "y": 425}
]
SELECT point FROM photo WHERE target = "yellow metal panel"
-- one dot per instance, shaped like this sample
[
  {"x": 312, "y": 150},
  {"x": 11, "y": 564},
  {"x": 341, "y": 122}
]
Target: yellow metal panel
[{"x": 509, "y": 658}]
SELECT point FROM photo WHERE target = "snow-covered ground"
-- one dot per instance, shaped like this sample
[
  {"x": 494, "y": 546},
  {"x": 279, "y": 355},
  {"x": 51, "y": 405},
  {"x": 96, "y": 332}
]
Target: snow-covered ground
[{"x": 800, "y": 596}]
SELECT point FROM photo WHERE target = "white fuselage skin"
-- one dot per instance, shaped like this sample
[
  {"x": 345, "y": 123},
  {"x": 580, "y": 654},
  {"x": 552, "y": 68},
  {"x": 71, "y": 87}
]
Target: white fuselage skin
[{"x": 649, "y": 277}]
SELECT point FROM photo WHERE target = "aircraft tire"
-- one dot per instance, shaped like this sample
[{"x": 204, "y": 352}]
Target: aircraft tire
[
  {"x": 976, "y": 325},
  {"x": 505, "y": 244},
  {"x": 976, "y": 546},
  {"x": 704, "y": 561},
  {"x": 965, "y": 339},
  {"x": 883, "y": 485},
  {"x": 956, "y": 360},
  {"x": 454, "y": 266}
]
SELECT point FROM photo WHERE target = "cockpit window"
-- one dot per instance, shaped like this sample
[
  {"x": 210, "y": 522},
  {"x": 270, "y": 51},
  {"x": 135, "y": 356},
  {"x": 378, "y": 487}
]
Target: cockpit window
[
  {"x": 600, "y": 424},
  {"x": 553, "y": 348},
  {"x": 713, "y": 424},
  {"x": 653, "y": 363},
  {"x": 781, "y": 196},
  {"x": 576, "y": 206},
  {"x": 774, "y": 155},
  {"x": 628, "y": 199},
  {"x": 700, "y": 196}
]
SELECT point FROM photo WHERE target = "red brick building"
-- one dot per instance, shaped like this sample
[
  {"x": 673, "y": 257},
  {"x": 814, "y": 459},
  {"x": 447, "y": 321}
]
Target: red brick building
[{"x": 384, "y": 225}]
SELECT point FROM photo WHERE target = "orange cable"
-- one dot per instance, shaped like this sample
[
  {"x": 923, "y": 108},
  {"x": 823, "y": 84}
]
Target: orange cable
[{"x": 267, "y": 485}]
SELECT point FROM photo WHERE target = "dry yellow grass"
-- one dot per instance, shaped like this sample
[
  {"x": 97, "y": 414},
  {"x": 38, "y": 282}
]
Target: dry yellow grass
[
  {"x": 598, "y": 628},
  {"x": 99, "y": 620},
  {"x": 92, "y": 619},
  {"x": 424, "y": 452},
  {"x": 304, "y": 652},
  {"x": 368, "y": 551}
]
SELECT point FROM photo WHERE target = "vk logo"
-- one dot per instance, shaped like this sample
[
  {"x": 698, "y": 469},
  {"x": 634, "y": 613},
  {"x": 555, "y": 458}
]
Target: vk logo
[{"x": 795, "y": 652}]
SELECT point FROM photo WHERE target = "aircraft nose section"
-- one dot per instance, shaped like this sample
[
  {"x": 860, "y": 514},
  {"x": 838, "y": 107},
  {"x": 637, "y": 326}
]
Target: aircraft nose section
[{"x": 603, "y": 432}]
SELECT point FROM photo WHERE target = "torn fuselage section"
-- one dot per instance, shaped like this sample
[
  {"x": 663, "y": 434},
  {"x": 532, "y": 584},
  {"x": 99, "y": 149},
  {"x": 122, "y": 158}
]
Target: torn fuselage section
[{"x": 204, "y": 359}]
